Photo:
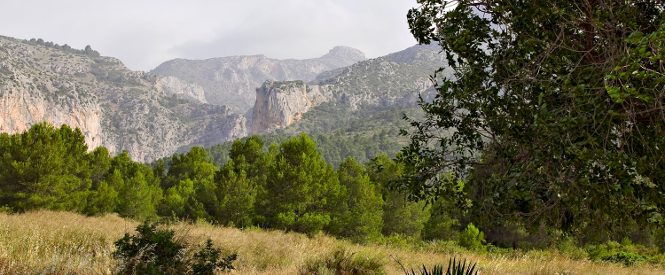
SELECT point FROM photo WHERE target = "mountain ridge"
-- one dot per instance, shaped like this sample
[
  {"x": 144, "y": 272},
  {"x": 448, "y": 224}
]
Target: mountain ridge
[
  {"x": 232, "y": 80},
  {"x": 112, "y": 105}
]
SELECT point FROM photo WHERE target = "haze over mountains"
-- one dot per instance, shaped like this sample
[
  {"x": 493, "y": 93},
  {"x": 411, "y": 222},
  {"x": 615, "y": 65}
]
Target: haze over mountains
[
  {"x": 232, "y": 81},
  {"x": 183, "y": 103}
]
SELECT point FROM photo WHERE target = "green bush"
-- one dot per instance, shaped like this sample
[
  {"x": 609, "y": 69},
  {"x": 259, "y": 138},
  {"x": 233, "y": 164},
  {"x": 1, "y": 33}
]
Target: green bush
[
  {"x": 472, "y": 238},
  {"x": 153, "y": 252},
  {"x": 208, "y": 260},
  {"x": 150, "y": 251},
  {"x": 626, "y": 258}
]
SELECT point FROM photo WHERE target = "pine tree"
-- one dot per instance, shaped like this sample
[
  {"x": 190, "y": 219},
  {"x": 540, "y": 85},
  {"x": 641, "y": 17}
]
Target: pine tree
[
  {"x": 400, "y": 215},
  {"x": 301, "y": 189},
  {"x": 44, "y": 167},
  {"x": 362, "y": 218}
]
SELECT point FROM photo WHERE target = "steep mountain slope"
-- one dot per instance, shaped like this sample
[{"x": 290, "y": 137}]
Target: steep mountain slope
[
  {"x": 373, "y": 86},
  {"x": 232, "y": 81},
  {"x": 349, "y": 112},
  {"x": 113, "y": 106}
]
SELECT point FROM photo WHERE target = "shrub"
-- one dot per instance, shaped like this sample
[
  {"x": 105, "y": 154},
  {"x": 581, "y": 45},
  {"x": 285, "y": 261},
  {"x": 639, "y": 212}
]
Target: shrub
[
  {"x": 150, "y": 251},
  {"x": 207, "y": 260},
  {"x": 153, "y": 252},
  {"x": 471, "y": 238},
  {"x": 627, "y": 258}
]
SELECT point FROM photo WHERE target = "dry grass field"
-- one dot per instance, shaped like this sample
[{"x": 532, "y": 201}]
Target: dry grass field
[{"x": 46, "y": 242}]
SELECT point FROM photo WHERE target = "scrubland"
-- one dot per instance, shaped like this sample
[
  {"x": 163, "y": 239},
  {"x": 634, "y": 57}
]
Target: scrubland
[{"x": 47, "y": 242}]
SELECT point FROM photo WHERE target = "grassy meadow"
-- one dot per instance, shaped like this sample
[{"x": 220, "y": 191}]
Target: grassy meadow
[{"x": 47, "y": 242}]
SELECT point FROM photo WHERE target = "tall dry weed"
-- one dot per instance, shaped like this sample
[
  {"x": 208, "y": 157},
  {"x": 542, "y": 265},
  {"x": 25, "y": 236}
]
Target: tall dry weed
[{"x": 46, "y": 242}]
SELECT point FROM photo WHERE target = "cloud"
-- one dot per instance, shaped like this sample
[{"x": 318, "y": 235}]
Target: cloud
[{"x": 145, "y": 33}]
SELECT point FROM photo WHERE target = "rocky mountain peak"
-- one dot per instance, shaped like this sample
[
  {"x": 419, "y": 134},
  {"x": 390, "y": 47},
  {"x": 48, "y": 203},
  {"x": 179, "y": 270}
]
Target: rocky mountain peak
[{"x": 345, "y": 53}]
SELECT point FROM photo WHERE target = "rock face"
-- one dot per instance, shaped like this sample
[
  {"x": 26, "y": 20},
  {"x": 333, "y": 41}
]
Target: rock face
[
  {"x": 232, "y": 81},
  {"x": 279, "y": 104},
  {"x": 21, "y": 106},
  {"x": 113, "y": 106},
  {"x": 394, "y": 80},
  {"x": 172, "y": 85}
]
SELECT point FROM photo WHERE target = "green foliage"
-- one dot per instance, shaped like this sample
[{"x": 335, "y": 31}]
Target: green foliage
[
  {"x": 302, "y": 191},
  {"x": 153, "y": 251},
  {"x": 454, "y": 268},
  {"x": 659, "y": 236},
  {"x": 443, "y": 223},
  {"x": 44, "y": 167},
  {"x": 207, "y": 261},
  {"x": 181, "y": 201},
  {"x": 626, "y": 258},
  {"x": 150, "y": 251},
  {"x": 189, "y": 184},
  {"x": 400, "y": 215},
  {"x": 362, "y": 218},
  {"x": 240, "y": 180},
  {"x": 552, "y": 114},
  {"x": 625, "y": 252},
  {"x": 103, "y": 200},
  {"x": 341, "y": 261},
  {"x": 340, "y": 133},
  {"x": 236, "y": 196},
  {"x": 460, "y": 268},
  {"x": 472, "y": 238},
  {"x": 138, "y": 188}
]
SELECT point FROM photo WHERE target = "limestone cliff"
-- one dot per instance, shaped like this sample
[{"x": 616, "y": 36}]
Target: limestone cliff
[
  {"x": 22, "y": 105},
  {"x": 232, "y": 81},
  {"x": 279, "y": 104},
  {"x": 112, "y": 105},
  {"x": 394, "y": 80},
  {"x": 172, "y": 85}
]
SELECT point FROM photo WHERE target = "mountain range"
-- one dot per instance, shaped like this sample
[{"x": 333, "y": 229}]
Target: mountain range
[{"x": 183, "y": 103}]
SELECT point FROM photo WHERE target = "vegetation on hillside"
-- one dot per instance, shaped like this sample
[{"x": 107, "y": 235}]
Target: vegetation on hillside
[{"x": 340, "y": 133}]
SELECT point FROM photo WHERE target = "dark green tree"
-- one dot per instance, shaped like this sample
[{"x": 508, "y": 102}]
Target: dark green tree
[
  {"x": 240, "y": 180},
  {"x": 400, "y": 215},
  {"x": 44, "y": 167},
  {"x": 195, "y": 165},
  {"x": 189, "y": 183},
  {"x": 554, "y": 114},
  {"x": 138, "y": 188},
  {"x": 302, "y": 191},
  {"x": 181, "y": 201},
  {"x": 361, "y": 220},
  {"x": 236, "y": 195}
]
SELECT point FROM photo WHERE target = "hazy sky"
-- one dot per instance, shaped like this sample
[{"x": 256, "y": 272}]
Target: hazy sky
[{"x": 145, "y": 33}]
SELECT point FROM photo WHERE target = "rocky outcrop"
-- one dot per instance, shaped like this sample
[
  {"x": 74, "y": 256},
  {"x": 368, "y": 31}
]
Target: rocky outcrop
[
  {"x": 232, "y": 81},
  {"x": 279, "y": 104},
  {"x": 22, "y": 105},
  {"x": 172, "y": 85},
  {"x": 112, "y": 105},
  {"x": 397, "y": 79}
]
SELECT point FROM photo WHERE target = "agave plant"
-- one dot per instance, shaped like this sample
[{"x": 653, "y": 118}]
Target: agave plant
[{"x": 455, "y": 267}]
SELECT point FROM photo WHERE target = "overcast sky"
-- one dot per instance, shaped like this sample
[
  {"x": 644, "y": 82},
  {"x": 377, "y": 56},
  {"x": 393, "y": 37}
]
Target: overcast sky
[{"x": 145, "y": 33}]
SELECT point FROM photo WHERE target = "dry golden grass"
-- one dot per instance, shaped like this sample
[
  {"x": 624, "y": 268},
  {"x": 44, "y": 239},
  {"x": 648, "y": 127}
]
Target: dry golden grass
[{"x": 45, "y": 242}]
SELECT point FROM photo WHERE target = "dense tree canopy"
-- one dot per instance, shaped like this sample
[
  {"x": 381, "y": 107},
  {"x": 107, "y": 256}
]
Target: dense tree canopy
[{"x": 555, "y": 114}]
